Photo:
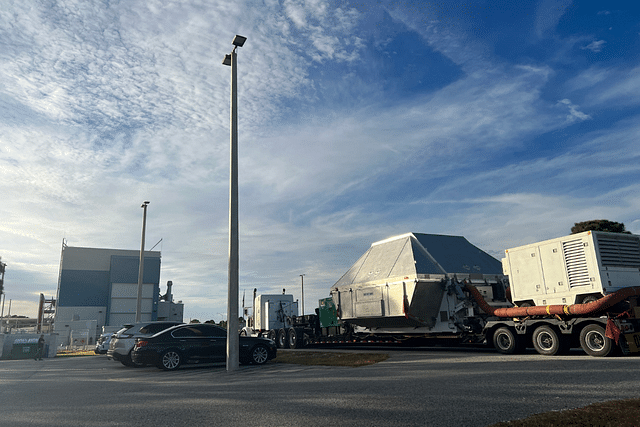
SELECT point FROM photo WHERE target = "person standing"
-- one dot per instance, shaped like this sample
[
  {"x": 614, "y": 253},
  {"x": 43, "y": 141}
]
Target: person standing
[{"x": 40, "y": 348}]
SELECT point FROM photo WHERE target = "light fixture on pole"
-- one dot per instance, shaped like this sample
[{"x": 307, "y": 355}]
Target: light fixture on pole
[
  {"x": 233, "y": 324},
  {"x": 141, "y": 266},
  {"x": 302, "y": 277}
]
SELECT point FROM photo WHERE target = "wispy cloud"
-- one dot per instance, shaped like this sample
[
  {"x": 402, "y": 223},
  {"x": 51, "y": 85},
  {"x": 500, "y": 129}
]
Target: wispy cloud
[
  {"x": 548, "y": 13},
  {"x": 103, "y": 105},
  {"x": 574, "y": 114},
  {"x": 595, "y": 46}
]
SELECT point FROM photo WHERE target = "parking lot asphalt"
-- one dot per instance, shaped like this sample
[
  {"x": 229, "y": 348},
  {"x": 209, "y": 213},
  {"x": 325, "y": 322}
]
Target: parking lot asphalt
[{"x": 414, "y": 387}]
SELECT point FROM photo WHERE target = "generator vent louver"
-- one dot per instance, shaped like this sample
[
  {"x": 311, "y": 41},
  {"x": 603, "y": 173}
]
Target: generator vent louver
[
  {"x": 621, "y": 251},
  {"x": 576, "y": 262}
]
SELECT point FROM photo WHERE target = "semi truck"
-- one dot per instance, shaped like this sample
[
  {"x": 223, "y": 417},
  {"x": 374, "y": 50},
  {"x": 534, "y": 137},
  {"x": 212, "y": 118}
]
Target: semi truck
[{"x": 580, "y": 290}]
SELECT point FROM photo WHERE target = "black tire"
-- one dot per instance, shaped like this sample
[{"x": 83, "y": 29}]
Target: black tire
[
  {"x": 589, "y": 298},
  {"x": 259, "y": 355},
  {"x": 293, "y": 340},
  {"x": 594, "y": 341},
  {"x": 271, "y": 335},
  {"x": 506, "y": 341},
  {"x": 281, "y": 340},
  {"x": 170, "y": 360},
  {"x": 126, "y": 361},
  {"x": 548, "y": 342}
]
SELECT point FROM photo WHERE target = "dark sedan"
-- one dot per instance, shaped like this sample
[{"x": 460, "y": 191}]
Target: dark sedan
[{"x": 197, "y": 342}]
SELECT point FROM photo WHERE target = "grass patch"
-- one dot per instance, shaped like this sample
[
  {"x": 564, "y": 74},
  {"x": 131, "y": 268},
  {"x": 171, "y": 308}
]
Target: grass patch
[
  {"x": 616, "y": 413},
  {"x": 69, "y": 353},
  {"x": 329, "y": 358}
]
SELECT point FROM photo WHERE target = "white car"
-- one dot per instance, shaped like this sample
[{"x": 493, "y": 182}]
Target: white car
[{"x": 102, "y": 345}]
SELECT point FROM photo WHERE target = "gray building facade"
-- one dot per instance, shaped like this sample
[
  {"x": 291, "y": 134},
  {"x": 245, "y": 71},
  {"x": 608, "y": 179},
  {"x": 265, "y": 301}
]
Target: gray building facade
[{"x": 102, "y": 285}]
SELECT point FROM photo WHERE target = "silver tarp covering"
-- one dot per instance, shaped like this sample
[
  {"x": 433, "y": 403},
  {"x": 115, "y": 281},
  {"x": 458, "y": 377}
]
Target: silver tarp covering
[{"x": 407, "y": 274}]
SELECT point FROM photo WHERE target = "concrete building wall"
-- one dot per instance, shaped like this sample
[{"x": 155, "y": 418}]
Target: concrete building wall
[
  {"x": 170, "y": 311},
  {"x": 102, "y": 285}
]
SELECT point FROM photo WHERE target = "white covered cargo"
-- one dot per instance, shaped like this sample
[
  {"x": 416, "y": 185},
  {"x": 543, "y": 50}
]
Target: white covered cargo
[
  {"x": 573, "y": 269},
  {"x": 408, "y": 284}
]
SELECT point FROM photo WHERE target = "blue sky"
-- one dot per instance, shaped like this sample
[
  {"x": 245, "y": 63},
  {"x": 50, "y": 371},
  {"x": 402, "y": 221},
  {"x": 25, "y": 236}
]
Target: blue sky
[{"x": 504, "y": 122}]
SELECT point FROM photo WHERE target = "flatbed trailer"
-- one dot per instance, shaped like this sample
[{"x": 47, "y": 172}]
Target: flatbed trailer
[{"x": 444, "y": 289}]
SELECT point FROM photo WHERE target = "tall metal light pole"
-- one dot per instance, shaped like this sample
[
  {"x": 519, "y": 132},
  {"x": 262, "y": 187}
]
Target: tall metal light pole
[
  {"x": 302, "y": 277},
  {"x": 2, "y": 294},
  {"x": 141, "y": 268},
  {"x": 233, "y": 337}
]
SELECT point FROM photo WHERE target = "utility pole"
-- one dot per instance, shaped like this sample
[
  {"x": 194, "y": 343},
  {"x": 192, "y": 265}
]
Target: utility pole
[
  {"x": 302, "y": 277},
  {"x": 141, "y": 267}
]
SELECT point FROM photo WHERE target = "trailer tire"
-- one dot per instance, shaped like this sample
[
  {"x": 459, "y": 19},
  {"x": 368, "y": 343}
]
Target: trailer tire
[
  {"x": 594, "y": 341},
  {"x": 281, "y": 340},
  {"x": 548, "y": 342},
  {"x": 271, "y": 335},
  {"x": 525, "y": 304},
  {"x": 293, "y": 340},
  {"x": 589, "y": 298},
  {"x": 506, "y": 341}
]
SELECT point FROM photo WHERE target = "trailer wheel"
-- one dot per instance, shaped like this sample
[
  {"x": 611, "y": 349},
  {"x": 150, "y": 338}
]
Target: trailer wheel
[
  {"x": 281, "y": 341},
  {"x": 546, "y": 341},
  {"x": 589, "y": 298},
  {"x": 525, "y": 304},
  {"x": 594, "y": 341},
  {"x": 292, "y": 338},
  {"x": 271, "y": 335},
  {"x": 506, "y": 341}
]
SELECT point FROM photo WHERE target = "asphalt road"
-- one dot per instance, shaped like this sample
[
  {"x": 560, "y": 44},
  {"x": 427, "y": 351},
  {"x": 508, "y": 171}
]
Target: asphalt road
[{"x": 433, "y": 387}]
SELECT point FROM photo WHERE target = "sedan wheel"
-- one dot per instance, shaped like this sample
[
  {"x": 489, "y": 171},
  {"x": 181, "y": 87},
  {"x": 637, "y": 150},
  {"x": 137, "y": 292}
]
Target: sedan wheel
[
  {"x": 259, "y": 355},
  {"x": 170, "y": 360}
]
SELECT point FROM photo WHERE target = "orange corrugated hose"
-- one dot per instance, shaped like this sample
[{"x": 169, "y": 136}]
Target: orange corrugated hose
[{"x": 563, "y": 310}]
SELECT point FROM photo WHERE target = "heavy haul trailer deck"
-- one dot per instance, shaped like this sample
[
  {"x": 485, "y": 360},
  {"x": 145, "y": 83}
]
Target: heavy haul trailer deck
[
  {"x": 404, "y": 287},
  {"x": 443, "y": 287}
]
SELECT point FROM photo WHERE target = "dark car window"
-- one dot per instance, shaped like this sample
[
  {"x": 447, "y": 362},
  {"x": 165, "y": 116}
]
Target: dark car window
[
  {"x": 212, "y": 331},
  {"x": 129, "y": 330},
  {"x": 217, "y": 331},
  {"x": 199, "y": 331},
  {"x": 155, "y": 328},
  {"x": 187, "y": 331}
]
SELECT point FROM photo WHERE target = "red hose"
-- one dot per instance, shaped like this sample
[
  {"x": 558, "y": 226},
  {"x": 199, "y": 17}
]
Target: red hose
[{"x": 563, "y": 310}]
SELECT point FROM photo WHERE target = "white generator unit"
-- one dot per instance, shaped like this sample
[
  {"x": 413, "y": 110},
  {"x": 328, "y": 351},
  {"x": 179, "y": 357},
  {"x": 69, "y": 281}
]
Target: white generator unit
[
  {"x": 574, "y": 269},
  {"x": 271, "y": 312}
]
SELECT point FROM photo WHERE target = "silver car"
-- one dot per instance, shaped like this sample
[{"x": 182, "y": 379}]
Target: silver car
[
  {"x": 122, "y": 341},
  {"x": 102, "y": 345}
]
